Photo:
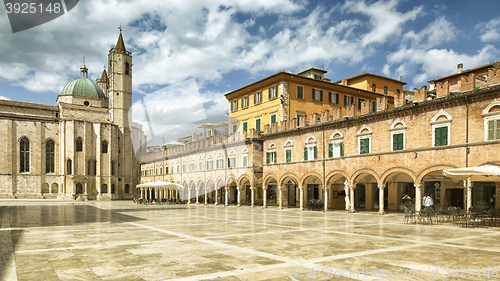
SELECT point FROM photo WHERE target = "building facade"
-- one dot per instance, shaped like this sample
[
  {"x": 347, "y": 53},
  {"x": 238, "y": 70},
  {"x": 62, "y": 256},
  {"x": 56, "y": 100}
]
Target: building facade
[
  {"x": 80, "y": 148},
  {"x": 293, "y": 98},
  {"x": 365, "y": 161}
]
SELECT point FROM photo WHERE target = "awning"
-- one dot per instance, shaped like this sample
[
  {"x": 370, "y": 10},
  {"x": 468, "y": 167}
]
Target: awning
[
  {"x": 163, "y": 184},
  {"x": 478, "y": 173}
]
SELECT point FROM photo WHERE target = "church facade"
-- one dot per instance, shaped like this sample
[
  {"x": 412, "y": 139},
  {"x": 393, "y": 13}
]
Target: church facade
[{"x": 79, "y": 149}]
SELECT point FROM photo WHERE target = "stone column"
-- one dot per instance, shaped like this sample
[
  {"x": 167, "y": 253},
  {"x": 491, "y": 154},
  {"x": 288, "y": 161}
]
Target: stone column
[
  {"x": 85, "y": 188},
  {"x": 351, "y": 195},
  {"x": 238, "y": 189},
  {"x": 301, "y": 197},
  {"x": 150, "y": 193},
  {"x": 206, "y": 195},
  {"x": 226, "y": 195},
  {"x": 189, "y": 195},
  {"x": 326, "y": 193},
  {"x": 418, "y": 198},
  {"x": 381, "y": 199},
  {"x": 216, "y": 196},
  {"x": 197, "y": 195},
  {"x": 468, "y": 188},
  {"x": 280, "y": 197},
  {"x": 252, "y": 199},
  {"x": 264, "y": 196}
]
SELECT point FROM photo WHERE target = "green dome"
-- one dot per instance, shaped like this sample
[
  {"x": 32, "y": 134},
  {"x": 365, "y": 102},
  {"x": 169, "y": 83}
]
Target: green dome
[{"x": 83, "y": 87}]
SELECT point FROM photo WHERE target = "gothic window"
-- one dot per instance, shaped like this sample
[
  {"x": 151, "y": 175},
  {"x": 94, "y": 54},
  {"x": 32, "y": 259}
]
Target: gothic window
[
  {"x": 49, "y": 156},
  {"x": 79, "y": 145},
  {"x": 288, "y": 151},
  {"x": 24, "y": 157},
  {"x": 491, "y": 115},
  {"x": 69, "y": 166},
  {"x": 104, "y": 147},
  {"x": 244, "y": 158},
  {"x": 271, "y": 154}
]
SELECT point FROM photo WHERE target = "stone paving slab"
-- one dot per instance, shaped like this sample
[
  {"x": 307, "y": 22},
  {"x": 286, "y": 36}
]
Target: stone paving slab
[{"x": 56, "y": 240}]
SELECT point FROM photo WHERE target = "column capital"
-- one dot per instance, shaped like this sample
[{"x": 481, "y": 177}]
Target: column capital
[
  {"x": 253, "y": 188},
  {"x": 280, "y": 187},
  {"x": 381, "y": 186},
  {"x": 238, "y": 188},
  {"x": 301, "y": 188},
  {"x": 264, "y": 188}
]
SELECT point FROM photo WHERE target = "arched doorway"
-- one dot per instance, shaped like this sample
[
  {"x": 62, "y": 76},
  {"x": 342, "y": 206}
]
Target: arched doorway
[
  {"x": 337, "y": 192},
  {"x": 272, "y": 193},
  {"x": 312, "y": 189},
  {"x": 79, "y": 188},
  {"x": 365, "y": 188},
  {"x": 397, "y": 185}
]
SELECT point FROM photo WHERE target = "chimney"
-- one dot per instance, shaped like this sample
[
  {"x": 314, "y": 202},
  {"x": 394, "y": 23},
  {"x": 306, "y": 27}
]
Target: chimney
[{"x": 460, "y": 67}]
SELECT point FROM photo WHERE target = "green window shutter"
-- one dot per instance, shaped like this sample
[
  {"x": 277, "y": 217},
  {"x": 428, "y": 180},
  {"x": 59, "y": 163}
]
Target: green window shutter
[
  {"x": 269, "y": 93},
  {"x": 229, "y": 162},
  {"x": 255, "y": 98},
  {"x": 330, "y": 150},
  {"x": 289, "y": 155},
  {"x": 441, "y": 136},
  {"x": 342, "y": 149},
  {"x": 364, "y": 146},
  {"x": 305, "y": 153},
  {"x": 397, "y": 142},
  {"x": 166, "y": 170},
  {"x": 336, "y": 98},
  {"x": 257, "y": 124},
  {"x": 321, "y": 95},
  {"x": 268, "y": 157},
  {"x": 315, "y": 153},
  {"x": 497, "y": 130},
  {"x": 245, "y": 126},
  {"x": 491, "y": 129},
  {"x": 273, "y": 119}
]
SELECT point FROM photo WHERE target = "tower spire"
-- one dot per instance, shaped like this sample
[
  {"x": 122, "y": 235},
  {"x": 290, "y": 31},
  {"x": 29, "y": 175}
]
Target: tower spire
[
  {"x": 84, "y": 72},
  {"x": 120, "y": 45}
]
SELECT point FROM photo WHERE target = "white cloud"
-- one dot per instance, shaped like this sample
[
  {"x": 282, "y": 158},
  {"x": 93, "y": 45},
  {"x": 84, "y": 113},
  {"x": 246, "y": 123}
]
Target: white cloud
[
  {"x": 435, "y": 63},
  {"x": 385, "y": 20},
  {"x": 4, "y": 98},
  {"x": 436, "y": 33},
  {"x": 490, "y": 30}
]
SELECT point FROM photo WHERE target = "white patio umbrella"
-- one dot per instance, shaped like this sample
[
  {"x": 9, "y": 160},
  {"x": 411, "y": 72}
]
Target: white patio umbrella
[
  {"x": 160, "y": 184},
  {"x": 470, "y": 174},
  {"x": 478, "y": 173}
]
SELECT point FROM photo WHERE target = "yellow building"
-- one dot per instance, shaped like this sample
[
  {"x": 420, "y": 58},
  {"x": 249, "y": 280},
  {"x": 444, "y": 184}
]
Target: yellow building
[
  {"x": 375, "y": 83},
  {"x": 290, "y": 97}
]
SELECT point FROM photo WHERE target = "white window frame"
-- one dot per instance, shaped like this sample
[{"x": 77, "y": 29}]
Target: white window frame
[
  {"x": 258, "y": 97},
  {"x": 311, "y": 144},
  {"x": 271, "y": 150},
  {"x": 288, "y": 147},
  {"x": 244, "y": 154},
  {"x": 274, "y": 92},
  {"x": 488, "y": 116},
  {"x": 367, "y": 135},
  {"x": 244, "y": 102},
  {"x": 316, "y": 95},
  {"x": 398, "y": 130},
  {"x": 439, "y": 124}
]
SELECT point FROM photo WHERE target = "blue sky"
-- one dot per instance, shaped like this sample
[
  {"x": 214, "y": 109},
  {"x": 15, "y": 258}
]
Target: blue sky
[{"x": 225, "y": 45}]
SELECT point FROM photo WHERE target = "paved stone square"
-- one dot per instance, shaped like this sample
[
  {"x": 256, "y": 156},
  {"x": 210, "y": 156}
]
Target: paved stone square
[{"x": 54, "y": 240}]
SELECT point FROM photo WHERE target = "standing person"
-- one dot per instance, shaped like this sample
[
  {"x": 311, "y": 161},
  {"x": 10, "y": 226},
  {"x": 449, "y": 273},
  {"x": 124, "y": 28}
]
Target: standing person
[
  {"x": 432, "y": 201},
  {"x": 424, "y": 198},
  {"x": 407, "y": 200},
  {"x": 428, "y": 201}
]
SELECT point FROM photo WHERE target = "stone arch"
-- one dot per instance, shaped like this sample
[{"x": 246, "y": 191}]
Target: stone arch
[
  {"x": 493, "y": 107},
  {"x": 288, "y": 176},
  {"x": 230, "y": 179},
  {"x": 200, "y": 183},
  {"x": 55, "y": 188},
  {"x": 219, "y": 182},
  {"x": 391, "y": 171},
  {"x": 365, "y": 171},
  {"x": 309, "y": 174},
  {"x": 364, "y": 130},
  {"x": 288, "y": 143},
  {"x": 334, "y": 173},
  {"x": 336, "y": 135},
  {"x": 441, "y": 113},
  {"x": 394, "y": 125},
  {"x": 267, "y": 178},
  {"x": 431, "y": 169},
  {"x": 45, "y": 188},
  {"x": 242, "y": 179}
]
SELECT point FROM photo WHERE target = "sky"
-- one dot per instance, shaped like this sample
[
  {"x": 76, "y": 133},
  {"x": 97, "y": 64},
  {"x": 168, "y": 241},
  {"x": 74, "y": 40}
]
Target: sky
[{"x": 225, "y": 45}]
